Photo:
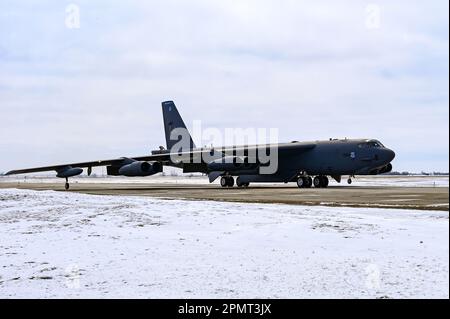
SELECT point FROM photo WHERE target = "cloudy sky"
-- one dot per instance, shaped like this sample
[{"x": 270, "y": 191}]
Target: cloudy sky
[{"x": 92, "y": 90}]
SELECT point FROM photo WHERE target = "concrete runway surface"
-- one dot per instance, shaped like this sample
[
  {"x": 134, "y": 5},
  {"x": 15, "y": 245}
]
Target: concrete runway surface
[{"x": 424, "y": 198}]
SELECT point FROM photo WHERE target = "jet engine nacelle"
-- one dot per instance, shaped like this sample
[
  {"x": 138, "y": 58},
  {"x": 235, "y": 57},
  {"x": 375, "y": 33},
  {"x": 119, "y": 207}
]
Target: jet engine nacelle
[
  {"x": 136, "y": 169},
  {"x": 69, "y": 172},
  {"x": 230, "y": 164}
]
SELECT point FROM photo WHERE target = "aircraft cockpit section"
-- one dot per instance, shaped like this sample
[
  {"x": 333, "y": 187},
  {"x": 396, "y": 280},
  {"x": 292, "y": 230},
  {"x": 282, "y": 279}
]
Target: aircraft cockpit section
[{"x": 371, "y": 144}]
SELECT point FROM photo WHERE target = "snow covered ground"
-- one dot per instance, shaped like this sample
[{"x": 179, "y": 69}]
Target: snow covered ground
[{"x": 58, "y": 245}]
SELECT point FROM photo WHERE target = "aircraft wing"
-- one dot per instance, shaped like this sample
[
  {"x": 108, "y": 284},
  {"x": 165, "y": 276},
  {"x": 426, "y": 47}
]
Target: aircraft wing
[
  {"x": 293, "y": 148},
  {"x": 157, "y": 157}
]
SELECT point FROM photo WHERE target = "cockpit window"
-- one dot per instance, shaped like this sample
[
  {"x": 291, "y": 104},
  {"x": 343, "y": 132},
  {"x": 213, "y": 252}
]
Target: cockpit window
[{"x": 371, "y": 144}]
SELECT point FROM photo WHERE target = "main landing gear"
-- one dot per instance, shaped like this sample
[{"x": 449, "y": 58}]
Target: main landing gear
[
  {"x": 227, "y": 181},
  {"x": 241, "y": 184},
  {"x": 320, "y": 181},
  {"x": 304, "y": 182},
  {"x": 67, "y": 186}
]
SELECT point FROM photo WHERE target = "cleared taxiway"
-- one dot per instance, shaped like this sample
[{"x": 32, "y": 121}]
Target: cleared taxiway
[{"x": 426, "y": 198}]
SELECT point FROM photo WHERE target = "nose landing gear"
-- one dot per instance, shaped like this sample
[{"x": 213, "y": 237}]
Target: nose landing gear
[{"x": 67, "y": 185}]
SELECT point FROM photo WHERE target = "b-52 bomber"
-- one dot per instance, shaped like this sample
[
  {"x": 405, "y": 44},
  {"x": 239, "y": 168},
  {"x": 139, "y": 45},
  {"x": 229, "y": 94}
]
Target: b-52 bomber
[{"x": 305, "y": 163}]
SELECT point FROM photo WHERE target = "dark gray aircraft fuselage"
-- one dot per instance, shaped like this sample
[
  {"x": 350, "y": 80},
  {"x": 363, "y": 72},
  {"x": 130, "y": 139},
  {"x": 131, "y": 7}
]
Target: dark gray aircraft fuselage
[{"x": 335, "y": 157}]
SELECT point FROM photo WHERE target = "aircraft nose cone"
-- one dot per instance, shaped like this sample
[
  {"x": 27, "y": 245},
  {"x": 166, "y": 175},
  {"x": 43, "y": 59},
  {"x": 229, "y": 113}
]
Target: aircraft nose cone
[{"x": 390, "y": 155}]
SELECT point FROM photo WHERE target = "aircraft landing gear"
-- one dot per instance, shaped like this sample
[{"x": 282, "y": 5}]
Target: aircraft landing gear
[
  {"x": 227, "y": 181},
  {"x": 349, "y": 180},
  {"x": 325, "y": 181},
  {"x": 304, "y": 182},
  {"x": 308, "y": 181},
  {"x": 321, "y": 181},
  {"x": 300, "y": 182},
  {"x": 67, "y": 185},
  {"x": 240, "y": 184}
]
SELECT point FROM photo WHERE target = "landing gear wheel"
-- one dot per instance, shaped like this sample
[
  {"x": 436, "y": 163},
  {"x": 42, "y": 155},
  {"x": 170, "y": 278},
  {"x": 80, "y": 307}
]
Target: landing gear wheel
[
  {"x": 300, "y": 182},
  {"x": 240, "y": 184},
  {"x": 230, "y": 181},
  {"x": 67, "y": 185},
  {"x": 349, "y": 181},
  {"x": 320, "y": 181},
  {"x": 223, "y": 181},
  {"x": 324, "y": 181},
  {"x": 308, "y": 182},
  {"x": 317, "y": 181}
]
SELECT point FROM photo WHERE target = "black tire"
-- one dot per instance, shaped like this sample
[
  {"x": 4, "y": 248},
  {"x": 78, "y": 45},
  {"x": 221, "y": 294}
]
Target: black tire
[
  {"x": 317, "y": 181},
  {"x": 324, "y": 181},
  {"x": 238, "y": 182},
  {"x": 308, "y": 182},
  {"x": 349, "y": 181},
  {"x": 230, "y": 182},
  {"x": 224, "y": 181},
  {"x": 300, "y": 182},
  {"x": 67, "y": 186}
]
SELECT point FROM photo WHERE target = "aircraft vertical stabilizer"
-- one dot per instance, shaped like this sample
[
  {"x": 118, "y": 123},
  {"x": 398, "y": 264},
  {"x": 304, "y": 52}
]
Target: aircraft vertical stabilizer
[{"x": 173, "y": 121}]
